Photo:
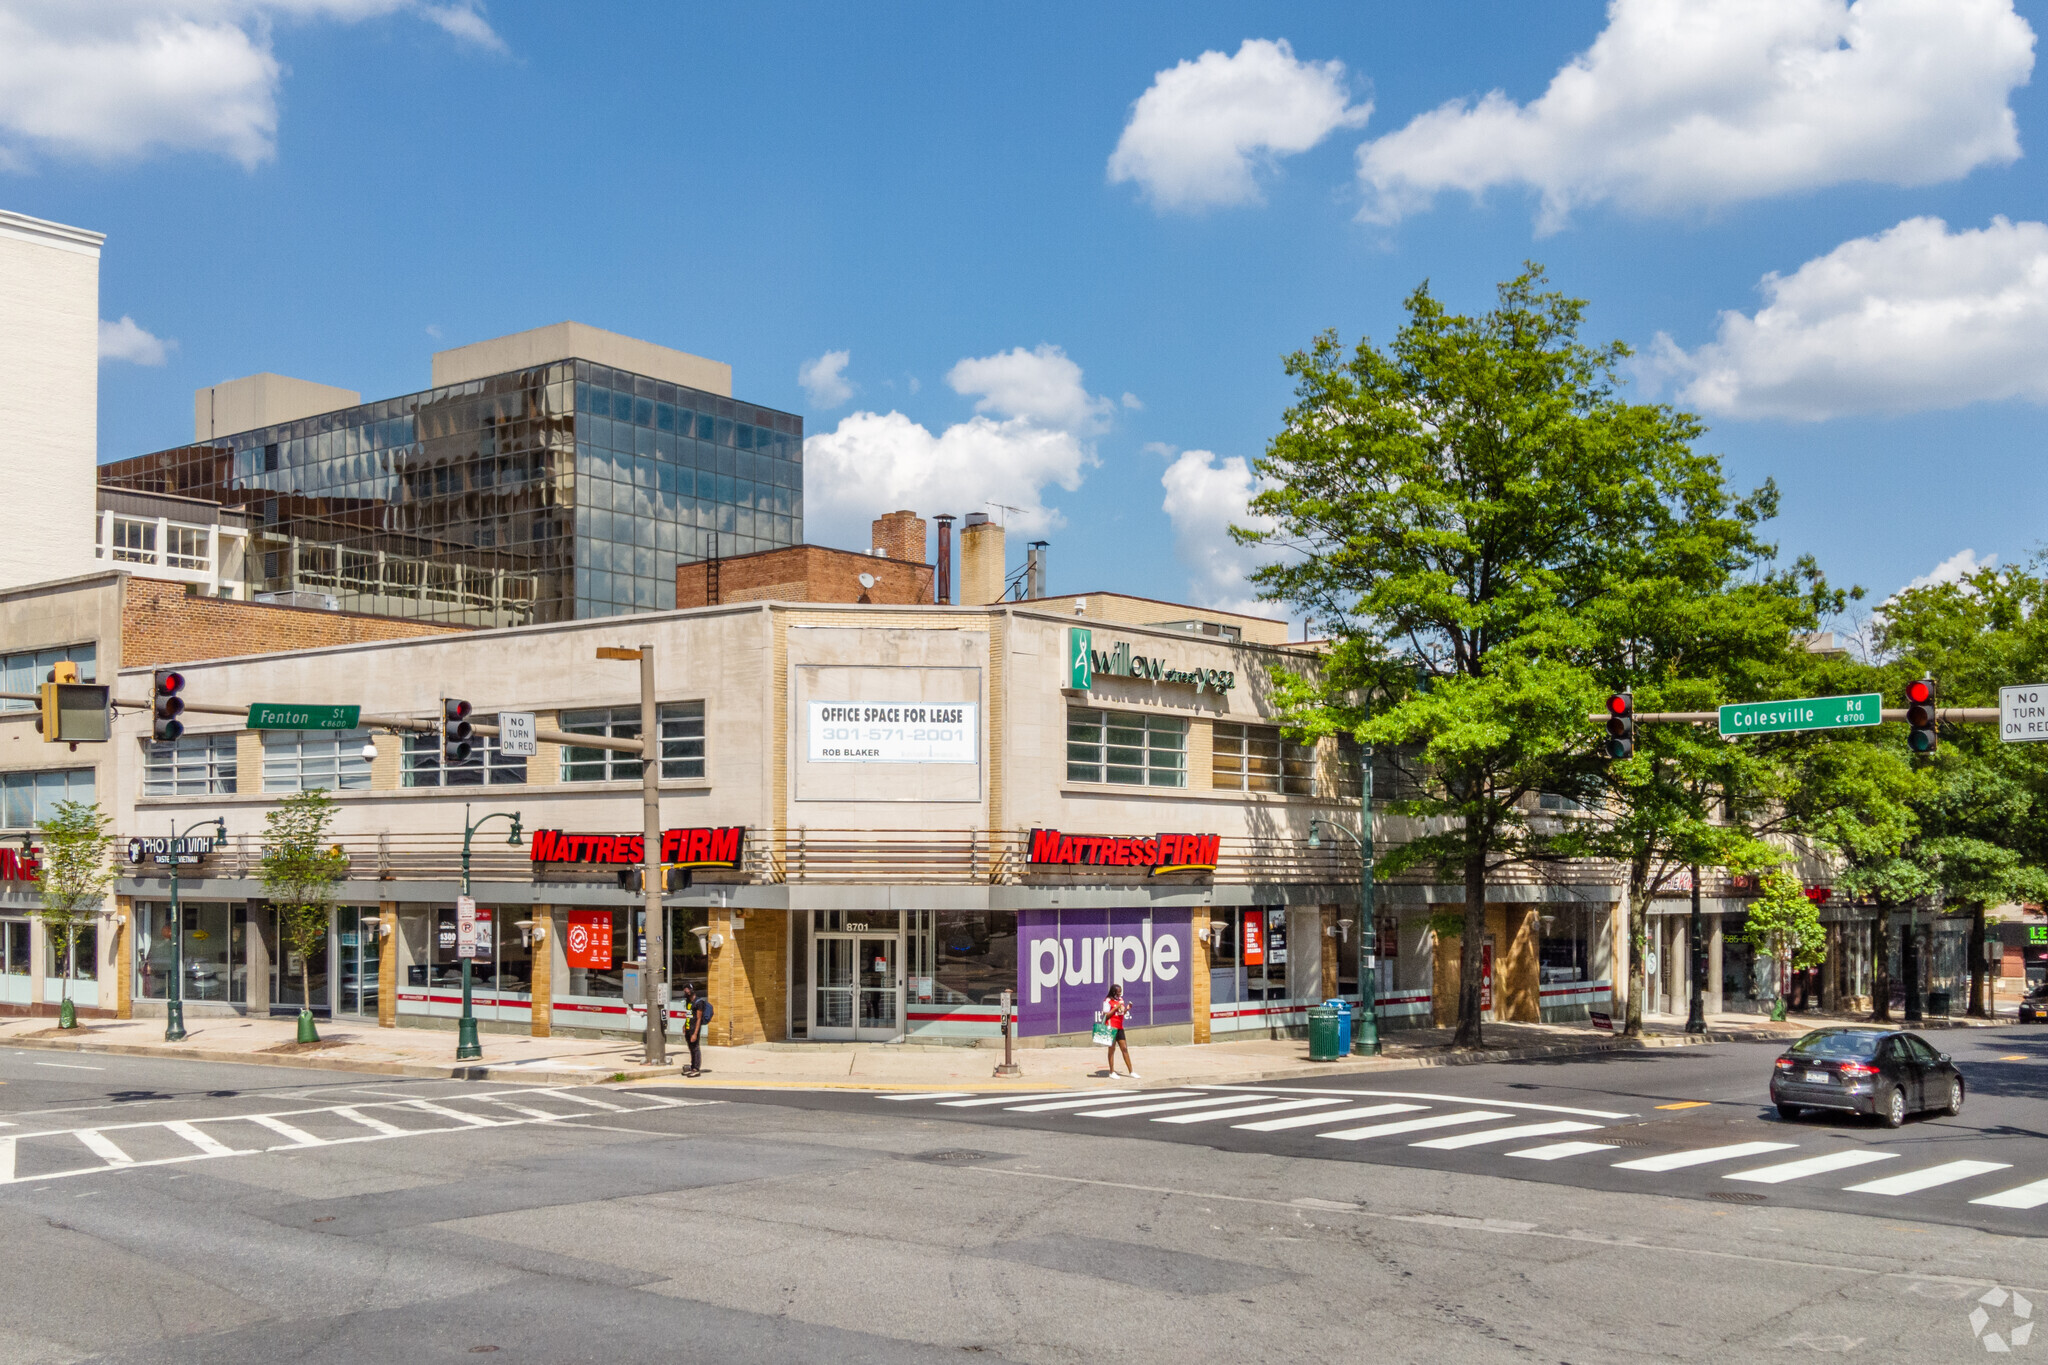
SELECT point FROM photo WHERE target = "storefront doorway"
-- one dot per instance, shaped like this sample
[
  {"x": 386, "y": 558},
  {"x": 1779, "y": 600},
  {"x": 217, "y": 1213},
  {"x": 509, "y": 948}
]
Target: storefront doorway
[{"x": 857, "y": 978}]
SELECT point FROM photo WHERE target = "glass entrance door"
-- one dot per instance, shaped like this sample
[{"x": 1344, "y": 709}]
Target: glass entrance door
[{"x": 857, "y": 995}]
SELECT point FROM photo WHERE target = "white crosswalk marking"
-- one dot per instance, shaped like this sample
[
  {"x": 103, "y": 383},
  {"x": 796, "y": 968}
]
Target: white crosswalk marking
[
  {"x": 1204, "y": 1103},
  {"x": 1912, "y": 1182},
  {"x": 1699, "y": 1156},
  {"x": 1374, "y": 1130},
  {"x": 298, "y": 1137},
  {"x": 1304, "y": 1120},
  {"x": 375, "y": 1124},
  {"x": 6, "y": 1160},
  {"x": 205, "y": 1142},
  {"x": 923, "y": 1095},
  {"x": 1093, "y": 1097},
  {"x": 1557, "y": 1151},
  {"x": 1805, "y": 1166},
  {"x": 538, "y": 1115},
  {"x": 103, "y": 1147},
  {"x": 2029, "y": 1196},
  {"x": 474, "y": 1120},
  {"x": 585, "y": 1097},
  {"x": 1214, "y": 1114},
  {"x": 1517, "y": 1132}
]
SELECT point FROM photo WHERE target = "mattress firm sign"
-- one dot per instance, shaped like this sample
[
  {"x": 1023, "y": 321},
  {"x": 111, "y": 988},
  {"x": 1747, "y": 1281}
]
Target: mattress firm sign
[
  {"x": 1068, "y": 960},
  {"x": 1084, "y": 661},
  {"x": 894, "y": 732}
]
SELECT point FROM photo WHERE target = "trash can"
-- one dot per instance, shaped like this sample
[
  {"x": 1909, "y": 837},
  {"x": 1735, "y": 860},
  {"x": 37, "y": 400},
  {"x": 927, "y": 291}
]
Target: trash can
[
  {"x": 1343, "y": 1008},
  {"x": 1938, "y": 1003},
  {"x": 1322, "y": 1034}
]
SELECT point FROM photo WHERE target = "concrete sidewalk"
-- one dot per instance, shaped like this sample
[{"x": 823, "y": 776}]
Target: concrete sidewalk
[{"x": 351, "y": 1045}]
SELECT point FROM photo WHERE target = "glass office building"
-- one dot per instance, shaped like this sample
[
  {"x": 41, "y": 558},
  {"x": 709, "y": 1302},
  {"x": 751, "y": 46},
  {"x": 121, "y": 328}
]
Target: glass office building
[{"x": 568, "y": 490}]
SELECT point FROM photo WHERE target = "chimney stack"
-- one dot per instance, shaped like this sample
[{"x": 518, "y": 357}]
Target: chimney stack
[
  {"x": 899, "y": 536},
  {"x": 943, "y": 593},
  {"x": 1034, "y": 569},
  {"x": 981, "y": 561}
]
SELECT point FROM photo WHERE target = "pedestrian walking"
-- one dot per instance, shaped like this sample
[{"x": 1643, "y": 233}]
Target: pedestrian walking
[
  {"x": 696, "y": 1014},
  {"x": 1115, "y": 1011}
]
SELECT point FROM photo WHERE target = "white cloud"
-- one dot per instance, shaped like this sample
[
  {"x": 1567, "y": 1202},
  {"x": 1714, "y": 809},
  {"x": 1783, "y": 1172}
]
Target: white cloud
[
  {"x": 1686, "y": 104},
  {"x": 1041, "y": 385},
  {"x": 1914, "y": 318},
  {"x": 1198, "y": 134},
  {"x": 1133, "y": 402},
  {"x": 1204, "y": 498},
  {"x": 824, "y": 379},
  {"x": 1031, "y": 434},
  {"x": 126, "y": 340},
  {"x": 114, "y": 80},
  {"x": 1954, "y": 569}
]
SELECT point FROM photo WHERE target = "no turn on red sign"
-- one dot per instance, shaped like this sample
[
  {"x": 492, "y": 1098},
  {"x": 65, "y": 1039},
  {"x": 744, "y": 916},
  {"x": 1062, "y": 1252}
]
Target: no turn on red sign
[{"x": 2023, "y": 713}]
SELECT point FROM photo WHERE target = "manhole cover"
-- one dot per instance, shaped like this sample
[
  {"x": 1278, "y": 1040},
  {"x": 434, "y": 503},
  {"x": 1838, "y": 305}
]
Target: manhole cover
[
  {"x": 1735, "y": 1197},
  {"x": 953, "y": 1156}
]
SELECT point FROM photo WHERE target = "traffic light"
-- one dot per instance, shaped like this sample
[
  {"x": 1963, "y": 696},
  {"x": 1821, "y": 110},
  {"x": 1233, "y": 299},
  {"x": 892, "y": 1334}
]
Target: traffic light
[
  {"x": 673, "y": 879},
  {"x": 1921, "y": 739},
  {"x": 166, "y": 705},
  {"x": 1621, "y": 725},
  {"x": 455, "y": 732},
  {"x": 72, "y": 712}
]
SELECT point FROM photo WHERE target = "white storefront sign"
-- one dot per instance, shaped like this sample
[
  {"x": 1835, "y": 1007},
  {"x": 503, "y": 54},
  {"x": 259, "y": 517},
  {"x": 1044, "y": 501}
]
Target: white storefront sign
[
  {"x": 894, "y": 732},
  {"x": 515, "y": 735},
  {"x": 2023, "y": 713}
]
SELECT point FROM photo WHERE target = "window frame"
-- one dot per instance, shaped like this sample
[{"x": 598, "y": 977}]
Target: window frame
[
  {"x": 1148, "y": 725},
  {"x": 677, "y": 720},
  {"x": 344, "y": 768},
  {"x": 10, "y": 782},
  {"x": 215, "y": 777},
  {"x": 23, "y": 669},
  {"x": 420, "y": 757},
  {"x": 1284, "y": 754}
]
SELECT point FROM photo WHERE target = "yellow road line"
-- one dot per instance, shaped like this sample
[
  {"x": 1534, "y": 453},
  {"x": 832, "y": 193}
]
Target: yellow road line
[{"x": 1686, "y": 1104}]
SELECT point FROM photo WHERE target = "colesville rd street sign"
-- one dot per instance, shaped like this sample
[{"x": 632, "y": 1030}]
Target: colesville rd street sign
[
  {"x": 1804, "y": 713},
  {"x": 268, "y": 715}
]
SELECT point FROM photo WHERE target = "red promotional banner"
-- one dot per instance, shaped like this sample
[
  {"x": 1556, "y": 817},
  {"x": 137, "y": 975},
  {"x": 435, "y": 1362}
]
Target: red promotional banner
[
  {"x": 589, "y": 944},
  {"x": 1254, "y": 938}
]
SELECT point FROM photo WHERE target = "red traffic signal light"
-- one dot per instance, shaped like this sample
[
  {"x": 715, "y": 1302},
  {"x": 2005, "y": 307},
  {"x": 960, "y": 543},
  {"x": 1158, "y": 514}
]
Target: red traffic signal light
[
  {"x": 1621, "y": 725},
  {"x": 1920, "y": 695},
  {"x": 165, "y": 705},
  {"x": 455, "y": 731}
]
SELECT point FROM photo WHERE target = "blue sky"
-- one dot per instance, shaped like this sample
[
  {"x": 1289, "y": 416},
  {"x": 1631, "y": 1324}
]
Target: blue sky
[{"x": 333, "y": 189}]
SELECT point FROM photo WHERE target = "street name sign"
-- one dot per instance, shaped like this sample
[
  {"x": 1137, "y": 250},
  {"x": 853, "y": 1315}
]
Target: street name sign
[
  {"x": 516, "y": 737},
  {"x": 270, "y": 715},
  {"x": 2023, "y": 713},
  {"x": 1804, "y": 713}
]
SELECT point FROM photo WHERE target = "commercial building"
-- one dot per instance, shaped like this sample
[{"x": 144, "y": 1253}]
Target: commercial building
[{"x": 558, "y": 474}]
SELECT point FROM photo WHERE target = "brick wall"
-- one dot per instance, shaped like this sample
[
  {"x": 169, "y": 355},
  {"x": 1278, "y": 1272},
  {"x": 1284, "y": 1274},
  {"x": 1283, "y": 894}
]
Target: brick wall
[
  {"x": 900, "y": 535},
  {"x": 805, "y": 573},
  {"x": 161, "y": 625}
]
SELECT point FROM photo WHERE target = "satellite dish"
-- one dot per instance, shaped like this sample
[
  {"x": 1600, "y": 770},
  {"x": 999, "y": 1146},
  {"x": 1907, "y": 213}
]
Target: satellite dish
[{"x": 867, "y": 580}]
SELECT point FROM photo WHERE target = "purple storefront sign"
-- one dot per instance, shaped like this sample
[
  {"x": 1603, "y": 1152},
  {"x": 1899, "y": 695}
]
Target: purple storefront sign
[{"x": 1068, "y": 959}]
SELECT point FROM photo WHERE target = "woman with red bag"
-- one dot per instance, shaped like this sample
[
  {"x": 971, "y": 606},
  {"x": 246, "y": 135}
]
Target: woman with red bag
[{"x": 1115, "y": 1011}]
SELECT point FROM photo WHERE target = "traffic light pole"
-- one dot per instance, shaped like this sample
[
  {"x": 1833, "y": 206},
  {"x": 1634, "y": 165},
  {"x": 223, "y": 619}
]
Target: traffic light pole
[{"x": 654, "y": 978}]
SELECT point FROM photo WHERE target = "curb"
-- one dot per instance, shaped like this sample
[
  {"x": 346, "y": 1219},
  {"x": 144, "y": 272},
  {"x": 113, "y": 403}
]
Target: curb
[{"x": 316, "y": 1062}]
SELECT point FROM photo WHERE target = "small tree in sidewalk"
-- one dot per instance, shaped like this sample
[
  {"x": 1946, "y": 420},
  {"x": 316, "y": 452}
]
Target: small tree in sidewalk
[
  {"x": 1785, "y": 924},
  {"x": 76, "y": 870},
  {"x": 301, "y": 868}
]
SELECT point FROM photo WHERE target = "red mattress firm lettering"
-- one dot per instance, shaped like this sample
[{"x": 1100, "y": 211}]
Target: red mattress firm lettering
[
  {"x": 722, "y": 847},
  {"x": 1159, "y": 852}
]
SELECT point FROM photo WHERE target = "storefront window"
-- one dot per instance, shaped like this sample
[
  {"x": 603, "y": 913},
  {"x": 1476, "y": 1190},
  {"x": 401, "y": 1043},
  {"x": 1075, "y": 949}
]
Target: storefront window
[
  {"x": 975, "y": 956},
  {"x": 216, "y": 960},
  {"x": 1126, "y": 749},
  {"x": 1262, "y": 942},
  {"x": 84, "y": 955},
  {"x": 14, "y": 947},
  {"x": 1224, "y": 957},
  {"x": 1565, "y": 952},
  {"x": 689, "y": 961}
]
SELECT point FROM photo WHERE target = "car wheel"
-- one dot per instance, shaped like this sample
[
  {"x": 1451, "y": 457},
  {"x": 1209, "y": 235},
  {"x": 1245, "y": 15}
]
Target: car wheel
[
  {"x": 1788, "y": 1112},
  {"x": 1891, "y": 1110},
  {"x": 1955, "y": 1096}
]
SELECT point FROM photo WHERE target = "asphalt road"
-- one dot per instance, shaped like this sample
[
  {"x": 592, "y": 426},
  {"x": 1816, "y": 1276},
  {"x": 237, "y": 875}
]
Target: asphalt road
[{"x": 168, "y": 1211}]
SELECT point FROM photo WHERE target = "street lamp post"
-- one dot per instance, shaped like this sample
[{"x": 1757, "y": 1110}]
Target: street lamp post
[
  {"x": 174, "y": 1003},
  {"x": 1365, "y": 1034},
  {"x": 1696, "y": 1012},
  {"x": 467, "y": 1047}
]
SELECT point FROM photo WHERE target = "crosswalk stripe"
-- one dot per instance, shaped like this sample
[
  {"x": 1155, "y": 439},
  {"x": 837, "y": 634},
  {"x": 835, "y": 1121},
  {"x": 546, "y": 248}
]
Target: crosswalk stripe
[
  {"x": 297, "y": 1136},
  {"x": 1214, "y": 1114},
  {"x": 2029, "y": 1196},
  {"x": 1699, "y": 1156},
  {"x": 1912, "y": 1182},
  {"x": 583, "y": 1097},
  {"x": 539, "y": 1115},
  {"x": 103, "y": 1147},
  {"x": 1556, "y": 1151},
  {"x": 924, "y": 1095},
  {"x": 1303, "y": 1120},
  {"x": 1521, "y": 1130},
  {"x": 1090, "y": 1097},
  {"x": 1206, "y": 1102},
  {"x": 375, "y": 1124},
  {"x": 6, "y": 1160},
  {"x": 1373, "y": 1130},
  {"x": 474, "y": 1120},
  {"x": 205, "y": 1142},
  {"x": 1805, "y": 1166}
]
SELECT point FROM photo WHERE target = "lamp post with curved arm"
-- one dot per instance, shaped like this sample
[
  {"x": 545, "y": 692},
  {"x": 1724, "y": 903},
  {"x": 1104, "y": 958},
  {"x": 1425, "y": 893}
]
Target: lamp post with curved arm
[
  {"x": 174, "y": 1002},
  {"x": 467, "y": 1045},
  {"x": 1365, "y": 1034}
]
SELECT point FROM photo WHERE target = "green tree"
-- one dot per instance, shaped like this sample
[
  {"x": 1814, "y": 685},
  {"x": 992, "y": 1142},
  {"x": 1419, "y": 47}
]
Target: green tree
[
  {"x": 76, "y": 870},
  {"x": 1785, "y": 923},
  {"x": 300, "y": 870},
  {"x": 1453, "y": 506}
]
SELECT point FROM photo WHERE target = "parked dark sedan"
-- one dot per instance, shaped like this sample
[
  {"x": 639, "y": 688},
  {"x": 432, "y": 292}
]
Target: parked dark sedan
[
  {"x": 1885, "y": 1074},
  {"x": 2034, "y": 1005}
]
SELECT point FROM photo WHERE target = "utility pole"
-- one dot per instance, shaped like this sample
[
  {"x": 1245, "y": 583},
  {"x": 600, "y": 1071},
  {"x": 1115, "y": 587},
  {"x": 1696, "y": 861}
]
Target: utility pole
[{"x": 654, "y": 978}]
